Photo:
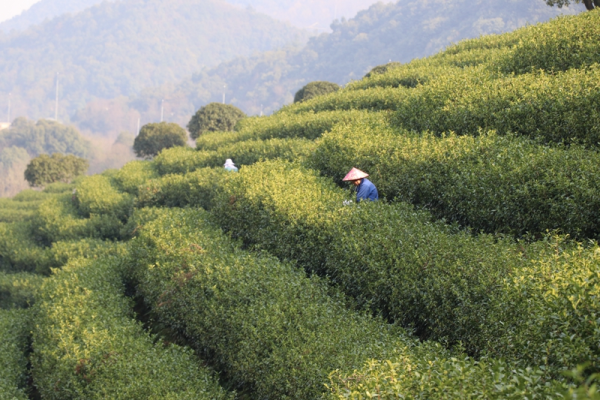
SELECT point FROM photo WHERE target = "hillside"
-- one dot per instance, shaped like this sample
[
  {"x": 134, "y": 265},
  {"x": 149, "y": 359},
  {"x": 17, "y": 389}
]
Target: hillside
[
  {"x": 474, "y": 276},
  {"x": 45, "y": 10},
  {"x": 117, "y": 48},
  {"x": 396, "y": 32}
]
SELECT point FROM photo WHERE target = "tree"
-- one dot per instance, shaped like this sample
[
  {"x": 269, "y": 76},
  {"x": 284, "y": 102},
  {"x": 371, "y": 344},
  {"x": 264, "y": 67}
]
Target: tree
[
  {"x": 314, "y": 89},
  {"x": 589, "y": 4},
  {"x": 214, "y": 117},
  {"x": 155, "y": 137},
  {"x": 46, "y": 169},
  {"x": 382, "y": 69}
]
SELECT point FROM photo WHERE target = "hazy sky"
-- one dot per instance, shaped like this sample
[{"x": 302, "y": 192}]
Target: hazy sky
[{"x": 10, "y": 8}]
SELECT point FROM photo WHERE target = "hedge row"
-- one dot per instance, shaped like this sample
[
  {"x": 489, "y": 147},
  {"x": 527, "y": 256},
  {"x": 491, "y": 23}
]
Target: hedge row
[
  {"x": 96, "y": 196},
  {"x": 446, "y": 284},
  {"x": 555, "y": 108},
  {"x": 87, "y": 345},
  {"x": 285, "y": 126},
  {"x": 196, "y": 189},
  {"x": 277, "y": 334},
  {"x": 14, "y": 342},
  {"x": 134, "y": 174},
  {"x": 489, "y": 183},
  {"x": 18, "y": 290},
  {"x": 180, "y": 160}
]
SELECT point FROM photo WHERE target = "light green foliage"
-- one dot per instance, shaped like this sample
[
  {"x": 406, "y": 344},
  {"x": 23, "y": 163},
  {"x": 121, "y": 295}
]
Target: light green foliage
[
  {"x": 272, "y": 329},
  {"x": 552, "y": 108},
  {"x": 382, "y": 69},
  {"x": 493, "y": 183},
  {"x": 19, "y": 251},
  {"x": 155, "y": 137},
  {"x": 134, "y": 174},
  {"x": 445, "y": 284},
  {"x": 87, "y": 344},
  {"x": 315, "y": 89},
  {"x": 96, "y": 196},
  {"x": 214, "y": 117},
  {"x": 196, "y": 189},
  {"x": 14, "y": 339},
  {"x": 18, "y": 290}
]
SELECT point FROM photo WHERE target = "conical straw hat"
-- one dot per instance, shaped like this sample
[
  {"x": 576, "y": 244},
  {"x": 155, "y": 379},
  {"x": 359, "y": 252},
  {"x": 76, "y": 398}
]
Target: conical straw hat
[{"x": 355, "y": 174}]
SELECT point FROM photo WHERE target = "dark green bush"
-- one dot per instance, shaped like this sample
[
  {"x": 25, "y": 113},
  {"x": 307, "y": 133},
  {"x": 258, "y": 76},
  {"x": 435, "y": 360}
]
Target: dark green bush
[
  {"x": 14, "y": 331},
  {"x": 490, "y": 183},
  {"x": 214, "y": 117},
  {"x": 382, "y": 69},
  {"x": 156, "y": 137},
  {"x": 45, "y": 169},
  {"x": 87, "y": 345},
  {"x": 445, "y": 284},
  {"x": 315, "y": 89},
  {"x": 278, "y": 334}
]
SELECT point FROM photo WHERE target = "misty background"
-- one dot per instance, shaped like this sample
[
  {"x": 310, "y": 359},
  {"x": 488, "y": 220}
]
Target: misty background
[{"x": 108, "y": 67}]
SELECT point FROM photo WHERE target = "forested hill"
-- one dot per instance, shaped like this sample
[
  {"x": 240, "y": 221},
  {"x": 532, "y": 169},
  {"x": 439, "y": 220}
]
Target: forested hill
[
  {"x": 397, "y": 32},
  {"x": 117, "y": 48},
  {"x": 45, "y": 9}
]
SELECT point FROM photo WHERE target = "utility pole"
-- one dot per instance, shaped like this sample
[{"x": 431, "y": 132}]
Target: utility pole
[{"x": 56, "y": 105}]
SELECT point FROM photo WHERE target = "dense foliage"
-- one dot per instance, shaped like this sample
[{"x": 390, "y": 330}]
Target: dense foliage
[
  {"x": 314, "y": 89},
  {"x": 214, "y": 117},
  {"x": 45, "y": 169},
  {"x": 155, "y": 137}
]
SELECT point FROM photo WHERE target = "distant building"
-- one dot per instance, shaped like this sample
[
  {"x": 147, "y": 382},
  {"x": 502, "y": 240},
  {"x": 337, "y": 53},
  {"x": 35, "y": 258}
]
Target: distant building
[{"x": 4, "y": 125}]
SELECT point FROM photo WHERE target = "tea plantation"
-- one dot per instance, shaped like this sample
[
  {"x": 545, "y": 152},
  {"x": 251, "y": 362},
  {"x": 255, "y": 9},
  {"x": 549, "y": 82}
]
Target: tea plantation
[{"x": 476, "y": 275}]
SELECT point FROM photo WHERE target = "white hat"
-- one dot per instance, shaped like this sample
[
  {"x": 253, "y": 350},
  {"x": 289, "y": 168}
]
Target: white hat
[{"x": 229, "y": 163}]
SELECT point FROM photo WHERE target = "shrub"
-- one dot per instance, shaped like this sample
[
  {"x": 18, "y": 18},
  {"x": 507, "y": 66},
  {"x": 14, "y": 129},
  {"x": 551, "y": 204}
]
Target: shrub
[
  {"x": 278, "y": 333},
  {"x": 382, "y": 69},
  {"x": 88, "y": 346},
  {"x": 18, "y": 290},
  {"x": 557, "y": 108},
  {"x": 489, "y": 183},
  {"x": 96, "y": 196},
  {"x": 134, "y": 174},
  {"x": 155, "y": 137},
  {"x": 45, "y": 169},
  {"x": 19, "y": 252},
  {"x": 14, "y": 331},
  {"x": 315, "y": 89},
  {"x": 445, "y": 284},
  {"x": 214, "y": 117}
]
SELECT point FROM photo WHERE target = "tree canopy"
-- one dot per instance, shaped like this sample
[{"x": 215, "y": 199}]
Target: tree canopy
[
  {"x": 589, "y": 4},
  {"x": 155, "y": 137},
  {"x": 214, "y": 117},
  {"x": 45, "y": 169},
  {"x": 314, "y": 89}
]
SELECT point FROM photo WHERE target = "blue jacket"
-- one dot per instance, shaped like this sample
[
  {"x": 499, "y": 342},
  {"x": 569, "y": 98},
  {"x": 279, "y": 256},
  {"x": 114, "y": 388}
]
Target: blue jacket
[{"x": 366, "y": 191}]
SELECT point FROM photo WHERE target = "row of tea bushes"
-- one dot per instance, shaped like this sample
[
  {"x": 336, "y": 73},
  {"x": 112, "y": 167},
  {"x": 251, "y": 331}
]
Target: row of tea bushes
[
  {"x": 18, "y": 290},
  {"x": 132, "y": 175},
  {"x": 97, "y": 196},
  {"x": 446, "y": 284},
  {"x": 87, "y": 344},
  {"x": 276, "y": 333},
  {"x": 558, "y": 108},
  {"x": 489, "y": 183},
  {"x": 14, "y": 341},
  {"x": 181, "y": 160},
  {"x": 195, "y": 189},
  {"x": 285, "y": 126}
]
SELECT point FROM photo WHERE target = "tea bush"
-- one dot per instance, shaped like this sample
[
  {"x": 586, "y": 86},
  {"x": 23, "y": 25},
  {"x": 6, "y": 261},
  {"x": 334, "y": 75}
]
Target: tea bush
[
  {"x": 19, "y": 252},
  {"x": 196, "y": 189},
  {"x": 489, "y": 183},
  {"x": 87, "y": 345},
  {"x": 134, "y": 174},
  {"x": 96, "y": 196},
  {"x": 307, "y": 125},
  {"x": 557, "y": 108},
  {"x": 279, "y": 334},
  {"x": 18, "y": 290},
  {"x": 447, "y": 285},
  {"x": 14, "y": 340}
]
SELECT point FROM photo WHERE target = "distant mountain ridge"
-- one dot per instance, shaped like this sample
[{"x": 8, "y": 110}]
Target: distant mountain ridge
[
  {"x": 45, "y": 10},
  {"x": 398, "y": 31},
  {"x": 117, "y": 48}
]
